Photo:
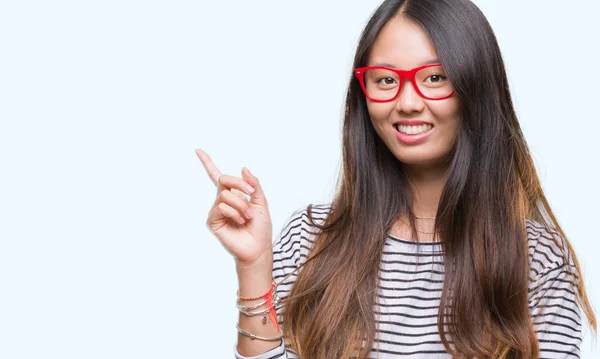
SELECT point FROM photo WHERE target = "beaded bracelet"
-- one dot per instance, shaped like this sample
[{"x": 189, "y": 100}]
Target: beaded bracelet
[{"x": 259, "y": 297}]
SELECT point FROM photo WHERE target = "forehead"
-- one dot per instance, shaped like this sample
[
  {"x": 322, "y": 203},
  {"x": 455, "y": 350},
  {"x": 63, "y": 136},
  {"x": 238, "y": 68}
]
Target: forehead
[{"x": 403, "y": 44}]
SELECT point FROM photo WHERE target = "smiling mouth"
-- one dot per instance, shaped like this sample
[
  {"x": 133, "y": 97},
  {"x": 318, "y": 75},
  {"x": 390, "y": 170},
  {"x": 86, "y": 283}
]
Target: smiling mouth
[{"x": 413, "y": 130}]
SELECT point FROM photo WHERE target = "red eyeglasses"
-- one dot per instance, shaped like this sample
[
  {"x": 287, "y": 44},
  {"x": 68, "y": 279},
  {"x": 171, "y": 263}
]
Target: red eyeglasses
[{"x": 383, "y": 84}]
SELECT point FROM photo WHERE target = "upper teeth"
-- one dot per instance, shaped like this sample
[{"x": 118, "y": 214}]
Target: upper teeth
[{"x": 411, "y": 130}]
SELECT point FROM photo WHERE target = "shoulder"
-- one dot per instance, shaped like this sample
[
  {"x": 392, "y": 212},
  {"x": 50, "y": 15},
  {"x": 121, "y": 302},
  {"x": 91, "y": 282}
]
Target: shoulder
[
  {"x": 548, "y": 251},
  {"x": 552, "y": 292},
  {"x": 292, "y": 246},
  {"x": 298, "y": 232}
]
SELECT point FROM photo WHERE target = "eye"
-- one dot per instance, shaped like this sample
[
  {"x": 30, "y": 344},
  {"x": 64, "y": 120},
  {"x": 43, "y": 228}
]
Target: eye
[
  {"x": 436, "y": 78},
  {"x": 385, "y": 80}
]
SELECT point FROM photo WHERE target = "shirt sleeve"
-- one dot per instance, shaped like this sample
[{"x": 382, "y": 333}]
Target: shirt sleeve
[
  {"x": 552, "y": 302},
  {"x": 278, "y": 352},
  {"x": 287, "y": 254}
]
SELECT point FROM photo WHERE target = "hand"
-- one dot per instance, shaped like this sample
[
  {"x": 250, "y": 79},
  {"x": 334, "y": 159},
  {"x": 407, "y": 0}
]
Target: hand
[{"x": 243, "y": 226}]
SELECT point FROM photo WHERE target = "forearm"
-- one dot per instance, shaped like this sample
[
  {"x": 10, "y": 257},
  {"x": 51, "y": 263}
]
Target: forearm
[{"x": 255, "y": 281}]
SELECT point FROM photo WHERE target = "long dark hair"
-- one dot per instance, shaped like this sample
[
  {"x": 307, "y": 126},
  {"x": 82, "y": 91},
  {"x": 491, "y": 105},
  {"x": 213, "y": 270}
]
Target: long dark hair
[{"x": 491, "y": 189}]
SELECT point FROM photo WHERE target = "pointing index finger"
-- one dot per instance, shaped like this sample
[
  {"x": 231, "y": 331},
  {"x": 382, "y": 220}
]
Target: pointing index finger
[{"x": 210, "y": 167}]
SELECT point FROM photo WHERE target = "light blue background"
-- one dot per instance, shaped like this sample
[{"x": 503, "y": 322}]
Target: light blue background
[{"x": 104, "y": 252}]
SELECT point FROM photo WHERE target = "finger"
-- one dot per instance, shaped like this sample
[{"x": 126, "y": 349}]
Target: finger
[
  {"x": 258, "y": 197},
  {"x": 209, "y": 165},
  {"x": 240, "y": 194},
  {"x": 225, "y": 210},
  {"x": 229, "y": 182},
  {"x": 234, "y": 201}
]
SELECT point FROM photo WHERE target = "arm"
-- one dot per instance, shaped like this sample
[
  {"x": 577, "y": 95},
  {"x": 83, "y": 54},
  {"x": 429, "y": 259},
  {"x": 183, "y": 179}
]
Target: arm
[
  {"x": 254, "y": 282},
  {"x": 555, "y": 313},
  {"x": 286, "y": 258},
  {"x": 243, "y": 226}
]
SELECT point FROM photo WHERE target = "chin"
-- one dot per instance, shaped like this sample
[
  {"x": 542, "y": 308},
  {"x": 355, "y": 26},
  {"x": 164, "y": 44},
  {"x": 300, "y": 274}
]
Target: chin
[{"x": 423, "y": 160}]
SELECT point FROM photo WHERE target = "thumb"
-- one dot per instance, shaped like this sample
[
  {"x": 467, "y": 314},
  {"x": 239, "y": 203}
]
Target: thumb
[{"x": 258, "y": 196}]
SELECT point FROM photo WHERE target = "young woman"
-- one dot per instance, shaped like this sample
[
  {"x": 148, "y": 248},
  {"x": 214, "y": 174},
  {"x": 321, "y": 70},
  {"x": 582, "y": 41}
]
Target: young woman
[{"x": 439, "y": 242}]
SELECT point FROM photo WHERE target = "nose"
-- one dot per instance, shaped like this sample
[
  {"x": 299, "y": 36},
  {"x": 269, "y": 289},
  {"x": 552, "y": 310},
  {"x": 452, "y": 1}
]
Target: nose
[{"x": 408, "y": 99}]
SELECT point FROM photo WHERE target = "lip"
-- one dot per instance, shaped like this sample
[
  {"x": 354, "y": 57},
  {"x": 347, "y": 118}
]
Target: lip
[{"x": 412, "y": 139}]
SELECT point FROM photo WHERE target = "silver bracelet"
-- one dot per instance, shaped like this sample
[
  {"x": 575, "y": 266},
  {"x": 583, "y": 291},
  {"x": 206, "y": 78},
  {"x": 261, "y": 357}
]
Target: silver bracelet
[
  {"x": 252, "y": 336},
  {"x": 264, "y": 312},
  {"x": 251, "y": 314},
  {"x": 241, "y": 307},
  {"x": 244, "y": 310}
]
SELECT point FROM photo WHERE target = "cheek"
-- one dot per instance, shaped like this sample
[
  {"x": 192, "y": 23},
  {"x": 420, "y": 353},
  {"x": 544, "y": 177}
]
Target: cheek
[
  {"x": 447, "y": 114},
  {"x": 379, "y": 113}
]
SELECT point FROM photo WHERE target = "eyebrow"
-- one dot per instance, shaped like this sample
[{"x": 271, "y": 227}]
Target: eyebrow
[{"x": 431, "y": 61}]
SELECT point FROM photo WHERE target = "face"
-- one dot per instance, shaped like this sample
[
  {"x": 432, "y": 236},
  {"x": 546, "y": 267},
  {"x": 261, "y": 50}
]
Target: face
[{"x": 402, "y": 44}]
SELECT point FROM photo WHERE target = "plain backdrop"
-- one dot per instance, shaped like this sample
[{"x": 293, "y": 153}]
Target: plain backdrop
[{"x": 104, "y": 252}]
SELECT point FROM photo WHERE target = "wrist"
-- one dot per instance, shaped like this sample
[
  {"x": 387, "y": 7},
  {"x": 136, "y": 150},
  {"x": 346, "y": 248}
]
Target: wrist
[
  {"x": 262, "y": 265},
  {"x": 255, "y": 279}
]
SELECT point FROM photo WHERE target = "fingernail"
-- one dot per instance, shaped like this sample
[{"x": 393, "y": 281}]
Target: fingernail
[
  {"x": 248, "y": 213},
  {"x": 249, "y": 189}
]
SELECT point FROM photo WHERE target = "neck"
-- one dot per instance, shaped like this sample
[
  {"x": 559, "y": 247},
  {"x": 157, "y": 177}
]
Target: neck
[{"x": 427, "y": 185}]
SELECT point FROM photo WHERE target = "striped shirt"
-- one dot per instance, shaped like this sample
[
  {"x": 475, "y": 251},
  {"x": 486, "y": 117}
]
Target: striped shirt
[{"x": 411, "y": 279}]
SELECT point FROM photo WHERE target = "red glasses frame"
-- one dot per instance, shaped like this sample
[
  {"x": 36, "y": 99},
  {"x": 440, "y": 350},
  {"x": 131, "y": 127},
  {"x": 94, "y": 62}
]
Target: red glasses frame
[{"x": 404, "y": 74}]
